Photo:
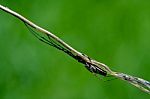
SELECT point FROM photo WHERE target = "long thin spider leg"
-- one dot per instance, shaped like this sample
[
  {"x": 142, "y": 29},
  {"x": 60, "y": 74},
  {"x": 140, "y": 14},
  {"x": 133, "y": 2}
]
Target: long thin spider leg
[
  {"x": 43, "y": 39},
  {"x": 49, "y": 41},
  {"x": 55, "y": 43},
  {"x": 38, "y": 36},
  {"x": 110, "y": 79},
  {"x": 62, "y": 48}
]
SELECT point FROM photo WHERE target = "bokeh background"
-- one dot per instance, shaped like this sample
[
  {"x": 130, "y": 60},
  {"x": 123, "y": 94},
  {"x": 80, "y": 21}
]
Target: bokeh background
[{"x": 115, "y": 32}]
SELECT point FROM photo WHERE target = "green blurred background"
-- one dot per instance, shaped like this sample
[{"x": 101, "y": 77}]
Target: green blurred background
[{"x": 115, "y": 32}]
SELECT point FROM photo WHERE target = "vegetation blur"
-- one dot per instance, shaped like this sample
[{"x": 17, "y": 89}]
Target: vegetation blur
[{"x": 115, "y": 32}]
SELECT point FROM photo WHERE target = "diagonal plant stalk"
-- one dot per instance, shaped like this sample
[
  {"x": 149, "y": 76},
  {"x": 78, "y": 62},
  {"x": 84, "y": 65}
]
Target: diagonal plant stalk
[{"x": 92, "y": 65}]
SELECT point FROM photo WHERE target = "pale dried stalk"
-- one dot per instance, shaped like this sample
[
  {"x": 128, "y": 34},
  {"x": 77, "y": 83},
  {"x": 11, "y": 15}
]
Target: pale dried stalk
[{"x": 138, "y": 82}]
